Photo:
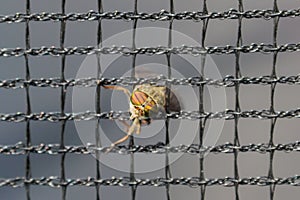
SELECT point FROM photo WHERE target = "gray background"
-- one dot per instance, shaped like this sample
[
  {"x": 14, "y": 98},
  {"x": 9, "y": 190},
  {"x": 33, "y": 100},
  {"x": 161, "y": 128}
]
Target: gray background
[{"x": 84, "y": 33}]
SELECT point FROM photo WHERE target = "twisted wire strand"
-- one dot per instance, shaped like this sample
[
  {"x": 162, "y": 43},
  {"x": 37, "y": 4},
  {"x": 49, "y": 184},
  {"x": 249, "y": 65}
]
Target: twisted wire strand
[
  {"x": 125, "y": 115},
  {"x": 159, "y": 50},
  {"x": 162, "y": 15},
  {"x": 160, "y": 148},
  {"x": 194, "y": 182},
  {"x": 228, "y": 81}
]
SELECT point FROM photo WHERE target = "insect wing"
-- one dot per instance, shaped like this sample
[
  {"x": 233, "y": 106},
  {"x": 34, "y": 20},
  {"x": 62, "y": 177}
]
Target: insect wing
[{"x": 174, "y": 103}]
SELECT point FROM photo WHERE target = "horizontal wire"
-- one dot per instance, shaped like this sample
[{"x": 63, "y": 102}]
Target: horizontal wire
[
  {"x": 55, "y": 182},
  {"x": 159, "y": 148},
  {"x": 159, "y": 50},
  {"x": 228, "y": 81},
  {"x": 163, "y": 15},
  {"x": 125, "y": 115}
]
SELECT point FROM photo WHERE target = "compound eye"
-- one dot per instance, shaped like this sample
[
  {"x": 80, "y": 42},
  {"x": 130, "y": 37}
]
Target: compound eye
[{"x": 138, "y": 98}]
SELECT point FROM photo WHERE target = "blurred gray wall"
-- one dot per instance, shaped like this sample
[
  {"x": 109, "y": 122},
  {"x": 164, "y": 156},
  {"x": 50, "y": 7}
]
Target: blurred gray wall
[{"x": 220, "y": 32}]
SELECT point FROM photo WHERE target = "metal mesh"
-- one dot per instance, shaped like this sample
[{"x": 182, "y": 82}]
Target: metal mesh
[{"x": 169, "y": 180}]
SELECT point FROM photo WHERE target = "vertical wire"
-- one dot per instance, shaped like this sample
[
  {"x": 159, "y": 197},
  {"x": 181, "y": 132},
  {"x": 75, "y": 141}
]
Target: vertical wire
[
  {"x": 98, "y": 101},
  {"x": 28, "y": 102},
  {"x": 63, "y": 101},
  {"x": 273, "y": 86},
  {"x": 135, "y": 21},
  {"x": 133, "y": 74},
  {"x": 202, "y": 122},
  {"x": 168, "y": 174},
  {"x": 237, "y": 101}
]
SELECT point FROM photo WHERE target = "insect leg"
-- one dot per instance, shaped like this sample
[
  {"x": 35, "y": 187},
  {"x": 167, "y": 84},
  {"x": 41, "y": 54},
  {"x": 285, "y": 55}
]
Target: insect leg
[
  {"x": 138, "y": 128},
  {"x": 114, "y": 87},
  {"x": 130, "y": 132},
  {"x": 127, "y": 92},
  {"x": 125, "y": 124}
]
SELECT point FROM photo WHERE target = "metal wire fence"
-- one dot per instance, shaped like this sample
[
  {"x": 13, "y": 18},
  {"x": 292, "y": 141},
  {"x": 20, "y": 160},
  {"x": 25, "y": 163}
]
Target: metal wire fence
[{"x": 236, "y": 80}]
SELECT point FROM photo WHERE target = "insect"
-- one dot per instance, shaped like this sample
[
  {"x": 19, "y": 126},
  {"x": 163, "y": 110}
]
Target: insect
[{"x": 145, "y": 101}]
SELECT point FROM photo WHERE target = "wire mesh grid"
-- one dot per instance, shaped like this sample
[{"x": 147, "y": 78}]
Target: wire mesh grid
[{"x": 170, "y": 181}]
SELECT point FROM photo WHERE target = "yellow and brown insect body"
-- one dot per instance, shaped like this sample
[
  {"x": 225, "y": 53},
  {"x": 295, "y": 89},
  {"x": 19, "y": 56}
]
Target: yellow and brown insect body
[
  {"x": 142, "y": 101},
  {"x": 157, "y": 93},
  {"x": 144, "y": 98}
]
